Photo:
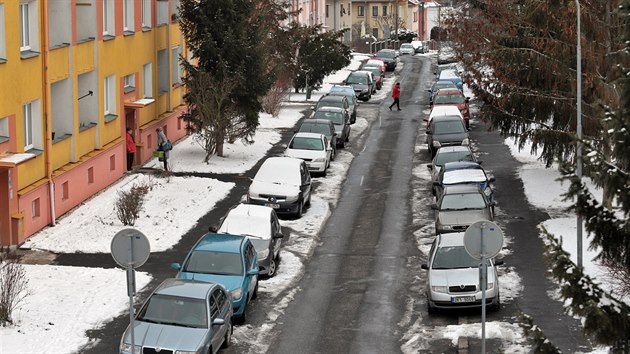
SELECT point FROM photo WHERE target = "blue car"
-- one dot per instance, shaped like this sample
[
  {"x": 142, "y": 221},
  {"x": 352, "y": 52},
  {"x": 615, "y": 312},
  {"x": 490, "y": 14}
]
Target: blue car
[
  {"x": 226, "y": 259},
  {"x": 452, "y": 75}
]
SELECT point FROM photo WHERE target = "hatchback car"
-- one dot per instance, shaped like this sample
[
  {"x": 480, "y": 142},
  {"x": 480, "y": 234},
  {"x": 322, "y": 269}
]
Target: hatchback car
[
  {"x": 459, "y": 207},
  {"x": 370, "y": 74},
  {"x": 182, "y": 316},
  {"x": 407, "y": 48},
  {"x": 282, "y": 183},
  {"x": 229, "y": 260},
  {"x": 313, "y": 149},
  {"x": 453, "y": 97},
  {"x": 361, "y": 84},
  {"x": 378, "y": 78},
  {"x": 340, "y": 119},
  {"x": 260, "y": 224},
  {"x": 322, "y": 126},
  {"x": 452, "y": 75},
  {"x": 440, "y": 84},
  {"x": 340, "y": 101},
  {"x": 446, "y": 131},
  {"x": 453, "y": 276},
  {"x": 449, "y": 154},
  {"x": 476, "y": 177},
  {"x": 389, "y": 57}
]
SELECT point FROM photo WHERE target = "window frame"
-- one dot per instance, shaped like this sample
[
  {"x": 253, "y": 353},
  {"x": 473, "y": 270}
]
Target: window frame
[
  {"x": 27, "y": 116},
  {"x": 129, "y": 83},
  {"x": 146, "y": 14},
  {"x": 374, "y": 11},
  {"x": 360, "y": 11},
  {"x": 25, "y": 35},
  {"x": 384, "y": 10}
]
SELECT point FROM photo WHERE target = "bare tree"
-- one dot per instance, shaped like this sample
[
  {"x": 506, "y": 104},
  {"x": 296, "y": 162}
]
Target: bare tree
[{"x": 13, "y": 288}]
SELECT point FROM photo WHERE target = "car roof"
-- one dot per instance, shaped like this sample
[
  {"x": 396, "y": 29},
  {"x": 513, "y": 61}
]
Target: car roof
[
  {"x": 308, "y": 135},
  {"x": 445, "y": 110},
  {"x": 461, "y": 165},
  {"x": 247, "y": 219},
  {"x": 456, "y": 148},
  {"x": 220, "y": 242},
  {"x": 280, "y": 170},
  {"x": 365, "y": 71},
  {"x": 461, "y": 188},
  {"x": 448, "y": 91},
  {"x": 451, "y": 239},
  {"x": 318, "y": 121},
  {"x": 450, "y": 74},
  {"x": 445, "y": 82},
  {"x": 330, "y": 109},
  {"x": 185, "y": 288},
  {"x": 332, "y": 98},
  {"x": 464, "y": 176},
  {"x": 445, "y": 119}
]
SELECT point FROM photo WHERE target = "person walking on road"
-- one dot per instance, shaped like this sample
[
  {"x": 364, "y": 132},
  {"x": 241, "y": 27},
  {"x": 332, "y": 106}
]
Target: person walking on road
[
  {"x": 396, "y": 96},
  {"x": 163, "y": 145},
  {"x": 131, "y": 149}
]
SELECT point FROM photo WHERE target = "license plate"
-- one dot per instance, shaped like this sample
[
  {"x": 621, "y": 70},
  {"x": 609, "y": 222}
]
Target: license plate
[
  {"x": 273, "y": 205},
  {"x": 460, "y": 299}
]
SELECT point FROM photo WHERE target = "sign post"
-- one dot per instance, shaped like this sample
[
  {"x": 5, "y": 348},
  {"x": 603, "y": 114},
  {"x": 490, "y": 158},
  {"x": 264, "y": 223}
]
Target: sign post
[
  {"x": 130, "y": 249},
  {"x": 483, "y": 240}
]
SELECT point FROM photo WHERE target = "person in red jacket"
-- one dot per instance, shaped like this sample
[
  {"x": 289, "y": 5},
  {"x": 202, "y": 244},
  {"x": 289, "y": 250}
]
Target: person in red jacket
[
  {"x": 131, "y": 149},
  {"x": 396, "y": 96}
]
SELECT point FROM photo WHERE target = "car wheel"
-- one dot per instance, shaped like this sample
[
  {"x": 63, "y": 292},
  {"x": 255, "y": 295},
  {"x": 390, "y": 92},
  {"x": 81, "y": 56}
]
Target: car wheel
[
  {"x": 255, "y": 293},
  {"x": 343, "y": 143},
  {"x": 308, "y": 201},
  {"x": 497, "y": 306},
  {"x": 430, "y": 309},
  {"x": 298, "y": 213},
  {"x": 227, "y": 340},
  {"x": 348, "y": 137},
  {"x": 272, "y": 267}
]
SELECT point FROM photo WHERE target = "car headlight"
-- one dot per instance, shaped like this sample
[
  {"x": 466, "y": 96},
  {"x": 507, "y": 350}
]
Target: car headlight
[
  {"x": 490, "y": 286},
  {"x": 465, "y": 141},
  {"x": 436, "y": 144},
  {"x": 319, "y": 159},
  {"x": 126, "y": 348},
  {"x": 185, "y": 352},
  {"x": 447, "y": 227},
  {"x": 487, "y": 191},
  {"x": 263, "y": 254},
  {"x": 364, "y": 91},
  {"x": 236, "y": 294},
  {"x": 439, "y": 289}
]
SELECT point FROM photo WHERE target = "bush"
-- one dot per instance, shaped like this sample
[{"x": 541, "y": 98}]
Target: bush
[
  {"x": 129, "y": 203},
  {"x": 13, "y": 288},
  {"x": 272, "y": 100}
]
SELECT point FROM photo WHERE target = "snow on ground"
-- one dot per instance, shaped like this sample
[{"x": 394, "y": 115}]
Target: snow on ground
[{"x": 56, "y": 314}]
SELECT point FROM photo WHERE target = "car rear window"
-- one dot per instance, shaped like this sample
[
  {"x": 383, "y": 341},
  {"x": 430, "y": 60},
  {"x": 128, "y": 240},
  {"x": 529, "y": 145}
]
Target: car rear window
[{"x": 335, "y": 117}]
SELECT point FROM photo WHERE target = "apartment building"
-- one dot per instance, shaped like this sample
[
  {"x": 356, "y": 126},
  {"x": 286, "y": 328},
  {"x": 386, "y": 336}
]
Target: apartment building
[
  {"x": 378, "y": 17},
  {"x": 309, "y": 12},
  {"x": 74, "y": 75}
]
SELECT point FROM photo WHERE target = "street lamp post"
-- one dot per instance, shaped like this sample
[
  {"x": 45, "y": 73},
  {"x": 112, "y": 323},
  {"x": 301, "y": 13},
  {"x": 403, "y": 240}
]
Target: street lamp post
[{"x": 578, "y": 169}]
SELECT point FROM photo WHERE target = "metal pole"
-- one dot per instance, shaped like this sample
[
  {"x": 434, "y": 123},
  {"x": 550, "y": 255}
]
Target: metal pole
[
  {"x": 483, "y": 283},
  {"x": 578, "y": 170},
  {"x": 130, "y": 293}
]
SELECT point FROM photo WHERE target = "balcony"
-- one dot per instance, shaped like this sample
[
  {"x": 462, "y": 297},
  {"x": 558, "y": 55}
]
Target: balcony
[{"x": 86, "y": 20}]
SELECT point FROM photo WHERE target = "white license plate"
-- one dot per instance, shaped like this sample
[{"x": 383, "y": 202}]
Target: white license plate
[
  {"x": 460, "y": 299},
  {"x": 273, "y": 205}
]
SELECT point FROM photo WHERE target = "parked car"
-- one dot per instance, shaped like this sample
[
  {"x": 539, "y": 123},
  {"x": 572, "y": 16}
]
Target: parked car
[
  {"x": 353, "y": 101},
  {"x": 419, "y": 47},
  {"x": 453, "y": 97},
  {"x": 340, "y": 119},
  {"x": 282, "y": 183},
  {"x": 361, "y": 84},
  {"x": 407, "y": 48},
  {"x": 452, "y": 75},
  {"x": 388, "y": 56},
  {"x": 313, "y": 149},
  {"x": 372, "y": 79},
  {"x": 440, "y": 84},
  {"x": 229, "y": 260},
  {"x": 462, "y": 164},
  {"x": 340, "y": 101},
  {"x": 443, "y": 111},
  {"x": 476, "y": 177},
  {"x": 459, "y": 207},
  {"x": 376, "y": 72},
  {"x": 446, "y": 131},
  {"x": 378, "y": 63},
  {"x": 449, "y": 154},
  {"x": 322, "y": 126},
  {"x": 453, "y": 276},
  {"x": 448, "y": 66},
  {"x": 260, "y": 224},
  {"x": 182, "y": 316}
]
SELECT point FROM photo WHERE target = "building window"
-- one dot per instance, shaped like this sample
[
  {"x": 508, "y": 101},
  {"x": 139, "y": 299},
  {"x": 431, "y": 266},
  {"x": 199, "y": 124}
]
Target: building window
[
  {"x": 384, "y": 10},
  {"x": 176, "y": 72},
  {"x": 162, "y": 12},
  {"x": 175, "y": 4},
  {"x": 35, "y": 208},
  {"x": 129, "y": 83},
  {"x": 374, "y": 11},
  {"x": 360, "y": 11},
  {"x": 90, "y": 175},
  {"x": 146, "y": 13},
  {"x": 327, "y": 6},
  {"x": 128, "y": 17},
  {"x": 65, "y": 191},
  {"x": 147, "y": 80},
  {"x": 32, "y": 119},
  {"x": 3, "y": 39},
  {"x": 112, "y": 162},
  {"x": 162, "y": 71},
  {"x": 4, "y": 129},
  {"x": 109, "y": 95},
  {"x": 27, "y": 112},
  {"x": 29, "y": 24},
  {"x": 108, "y": 18}
]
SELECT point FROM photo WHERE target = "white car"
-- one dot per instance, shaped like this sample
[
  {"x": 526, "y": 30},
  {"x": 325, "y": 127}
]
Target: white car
[
  {"x": 407, "y": 48},
  {"x": 313, "y": 148},
  {"x": 281, "y": 183},
  {"x": 453, "y": 279},
  {"x": 444, "y": 110}
]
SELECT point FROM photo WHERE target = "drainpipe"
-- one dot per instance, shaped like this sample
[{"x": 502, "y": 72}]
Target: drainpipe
[
  {"x": 47, "y": 129},
  {"x": 169, "y": 54}
]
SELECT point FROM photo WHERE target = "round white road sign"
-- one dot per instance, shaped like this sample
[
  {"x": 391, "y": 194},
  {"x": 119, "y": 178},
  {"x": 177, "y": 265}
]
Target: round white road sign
[
  {"x": 130, "y": 246},
  {"x": 483, "y": 238}
]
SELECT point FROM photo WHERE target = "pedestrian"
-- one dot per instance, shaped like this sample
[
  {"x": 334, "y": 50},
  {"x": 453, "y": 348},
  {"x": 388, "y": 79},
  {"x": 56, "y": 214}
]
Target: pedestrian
[
  {"x": 396, "y": 96},
  {"x": 163, "y": 145},
  {"x": 131, "y": 149}
]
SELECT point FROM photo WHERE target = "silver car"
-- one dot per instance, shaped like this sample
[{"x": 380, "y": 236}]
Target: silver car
[
  {"x": 459, "y": 207},
  {"x": 182, "y": 316},
  {"x": 453, "y": 279}
]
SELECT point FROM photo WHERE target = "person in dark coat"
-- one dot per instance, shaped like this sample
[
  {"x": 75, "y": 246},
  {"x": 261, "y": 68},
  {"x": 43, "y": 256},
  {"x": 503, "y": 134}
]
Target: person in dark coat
[{"x": 396, "y": 96}]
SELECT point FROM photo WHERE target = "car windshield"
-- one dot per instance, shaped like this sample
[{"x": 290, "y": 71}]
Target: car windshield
[
  {"x": 448, "y": 127},
  {"x": 213, "y": 262},
  {"x": 335, "y": 117},
  {"x": 346, "y": 90},
  {"x": 316, "y": 128},
  {"x": 441, "y": 85},
  {"x": 303, "y": 143},
  {"x": 453, "y": 257},
  {"x": 357, "y": 79},
  {"x": 386, "y": 54},
  {"x": 462, "y": 201},
  {"x": 449, "y": 99},
  {"x": 444, "y": 157},
  {"x": 175, "y": 311},
  {"x": 329, "y": 103}
]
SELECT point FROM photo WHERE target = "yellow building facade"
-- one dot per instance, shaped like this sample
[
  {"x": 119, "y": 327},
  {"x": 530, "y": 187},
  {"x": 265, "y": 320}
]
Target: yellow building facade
[
  {"x": 74, "y": 75},
  {"x": 372, "y": 17}
]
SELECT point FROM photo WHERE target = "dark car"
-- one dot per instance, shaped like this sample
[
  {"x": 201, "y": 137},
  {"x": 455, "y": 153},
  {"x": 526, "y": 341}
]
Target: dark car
[
  {"x": 352, "y": 100},
  {"x": 321, "y": 126},
  {"x": 378, "y": 79},
  {"x": 459, "y": 207},
  {"x": 446, "y": 131},
  {"x": 449, "y": 154},
  {"x": 453, "y": 97},
  {"x": 361, "y": 84},
  {"x": 389, "y": 56},
  {"x": 340, "y": 101},
  {"x": 440, "y": 84},
  {"x": 340, "y": 119}
]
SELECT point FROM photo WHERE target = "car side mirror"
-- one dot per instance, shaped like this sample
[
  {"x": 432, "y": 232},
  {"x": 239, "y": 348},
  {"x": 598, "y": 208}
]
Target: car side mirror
[
  {"x": 213, "y": 229},
  {"x": 480, "y": 162},
  {"x": 424, "y": 266},
  {"x": 176, "y": 266},
  {"x": 467, "y": 99},
  {"x": 436, "y": 184},
  {"x": 218, "y": 322},
  {"x": 430, "y": 167},
  {"x": 491, "y": 179},
  {"x": 426, "y": 120},
  {"x": 499, "y": 262},
  {"x": 429, "y": 90},
  {"x": 253, "y": 272},
  {"x": 278, "y": 235},
  {"x": 434, "y": 206}
]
